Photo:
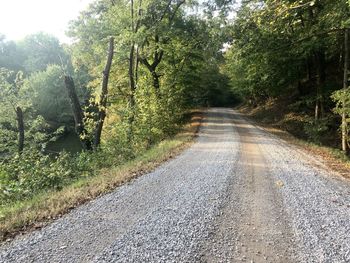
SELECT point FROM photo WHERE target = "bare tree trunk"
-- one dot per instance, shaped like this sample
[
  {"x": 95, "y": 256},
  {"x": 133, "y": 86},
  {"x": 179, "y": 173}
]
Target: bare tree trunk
[
  {"x": 77, "y": 113},
  {"x": 137, "y": 62},
  {"x": 20, "y": 126},
  {"x": 132, "y": 67},
  {"x": 132, "y": 75},
  {"x": 104, "y": 94},
  {"x": 132, "y": 85},
  {"x": 344, "y": 127}
]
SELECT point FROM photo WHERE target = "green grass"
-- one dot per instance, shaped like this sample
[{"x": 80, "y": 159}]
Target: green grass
[{"x": 29, "y": 214}]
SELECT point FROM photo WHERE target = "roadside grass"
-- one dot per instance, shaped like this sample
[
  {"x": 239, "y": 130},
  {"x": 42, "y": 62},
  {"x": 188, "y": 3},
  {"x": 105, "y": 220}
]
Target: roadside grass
[
  {"x": 27, "y": 215},
  {"x": 333, "y": 158}
]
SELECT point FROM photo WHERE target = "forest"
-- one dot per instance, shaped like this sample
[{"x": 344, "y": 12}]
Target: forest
[
  {"x": 127, "y": 81},
  {"x": 292, "y": 57},
  {"x": 135, "y": 69}
]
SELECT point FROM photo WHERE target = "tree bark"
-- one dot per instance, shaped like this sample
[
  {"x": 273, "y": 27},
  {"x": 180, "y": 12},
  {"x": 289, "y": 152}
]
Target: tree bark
[
  {"x": 158, "y": 55},
  {"x": 156, "y": 85},
  {"x": 320, "y": 78},
  {"x": 344, "y": 127},
  {"x": 131, "y": 68},
  {"x": 132, "y": 75},
  {"x": 308, "y": 67},
  {"x": 104, "y": 94},
  {"x": 20, "y": 126},
  {"x": 77, "y": 113},
  {"x": 132, "y": 84}
]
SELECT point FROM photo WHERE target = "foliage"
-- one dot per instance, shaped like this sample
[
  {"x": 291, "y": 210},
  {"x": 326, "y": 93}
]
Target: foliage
[
  {"x": 275, "y": 44},
  {"x": 167, "y": 59},
  {"x": 10, "y": 56},
  {"x": 316, "y": 130},
  {"x": 48, "y": 95},
  {"x": 342, "y": 100},
  {"x": 170, "y": 69},
  {"x": 289, "y": 49},
  {"x": 41, "y": 50},
  {"x": 11, "y": 97},
  {"x": 32, "y": 172},
  {"x": 342, "y": 107},
  {"x": 24, "y": 176}
]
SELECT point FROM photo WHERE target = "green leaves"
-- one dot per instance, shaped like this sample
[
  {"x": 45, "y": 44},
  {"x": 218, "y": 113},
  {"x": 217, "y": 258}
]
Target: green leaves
[
  {"x": 342, "y": 100},
  {"x": 48, "y": 95},
  {"x": 24, "y": 176},
  {"x": 274, "y": 41},
  {"x": 174, "y": 57},
  {"x": 40, "y": 50}
]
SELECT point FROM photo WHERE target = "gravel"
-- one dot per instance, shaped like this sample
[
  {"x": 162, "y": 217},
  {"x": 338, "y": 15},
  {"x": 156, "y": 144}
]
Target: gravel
[
  {"x": 316, "y": 199},
  {"x": 161, "y": 216},
  {"x": 238, "y": 194}
]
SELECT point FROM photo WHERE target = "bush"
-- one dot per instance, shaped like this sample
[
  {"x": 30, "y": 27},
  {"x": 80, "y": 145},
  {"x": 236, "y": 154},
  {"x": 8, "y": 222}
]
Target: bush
[
  {"x": 32, "y": 172},
  {"x": 316, "y": 129},
  {"x": 24, "y": 175}
]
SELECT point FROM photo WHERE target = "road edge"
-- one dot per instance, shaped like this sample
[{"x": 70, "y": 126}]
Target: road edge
[
  {"x": 45, "y": 208},
  {"x": 321, "y": 157}
]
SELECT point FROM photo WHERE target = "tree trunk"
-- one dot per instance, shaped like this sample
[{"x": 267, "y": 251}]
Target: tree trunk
[
  {"x": 20, "y": 126},
  {"x": 104, "y": 94},
  {"x": 132, "y": 86},
  {"x": 308, "y": 67},
  {"x": 344, "y": 127},
  {"x": 77, "y": 113},
  {"x": 320, "y": 75},
  {"x": 132, "y": 75},
  {"x": 155, "y": 81},
  {"x": 152, "y": 68}
]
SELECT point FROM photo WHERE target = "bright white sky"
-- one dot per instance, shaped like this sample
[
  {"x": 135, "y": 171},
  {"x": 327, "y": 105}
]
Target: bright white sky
[{"x": 19, "y": 18}]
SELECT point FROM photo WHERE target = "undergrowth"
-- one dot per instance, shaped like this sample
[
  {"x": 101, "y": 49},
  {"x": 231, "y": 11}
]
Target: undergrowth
[{"x": 35, "y": 189}]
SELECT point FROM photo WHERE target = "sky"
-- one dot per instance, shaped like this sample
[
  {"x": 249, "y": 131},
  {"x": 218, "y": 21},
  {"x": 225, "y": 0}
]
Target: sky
[{"x": 19, "y": 18}]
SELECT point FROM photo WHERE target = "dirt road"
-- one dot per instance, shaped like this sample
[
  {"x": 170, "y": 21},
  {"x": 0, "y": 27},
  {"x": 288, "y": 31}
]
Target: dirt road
[{"x": 238, "y": 194}]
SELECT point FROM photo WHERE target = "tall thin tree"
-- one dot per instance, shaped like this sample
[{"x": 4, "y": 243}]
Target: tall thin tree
[
  {"x": 77, "y": 113},
  {"x": 344, "y": 128},
  {"x": 104, "y": 94}
]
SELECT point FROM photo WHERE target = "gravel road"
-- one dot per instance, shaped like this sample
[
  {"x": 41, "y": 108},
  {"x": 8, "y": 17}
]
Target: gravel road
[{"x": 238, "y": 194}]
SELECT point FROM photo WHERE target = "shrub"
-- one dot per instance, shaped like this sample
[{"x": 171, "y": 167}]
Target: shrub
[
  {"x": 316, "y": 129},
  {"x": 24, "y": 175}
]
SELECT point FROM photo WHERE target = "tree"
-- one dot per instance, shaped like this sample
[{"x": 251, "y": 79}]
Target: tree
[
  {"x": 12, "y": 102},
  {"x": 77, "y": 113},
  {"x": 159, "y": 53},
  {"x": 11, "y": 57},
  {"x": 104, "y": 93},
  {"x": 342, "y": 97},
  {"x": 282, "y": 48},
  {"x": 345, "y": 87},
  {"x": 289, "y": 42},
  {"x": 41, "y": 50},
  {"x": 49, "y": 97}
]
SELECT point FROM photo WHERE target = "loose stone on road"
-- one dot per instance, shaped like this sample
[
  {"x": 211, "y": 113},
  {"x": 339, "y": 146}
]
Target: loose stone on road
[{"x": 238, "y": 194}]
